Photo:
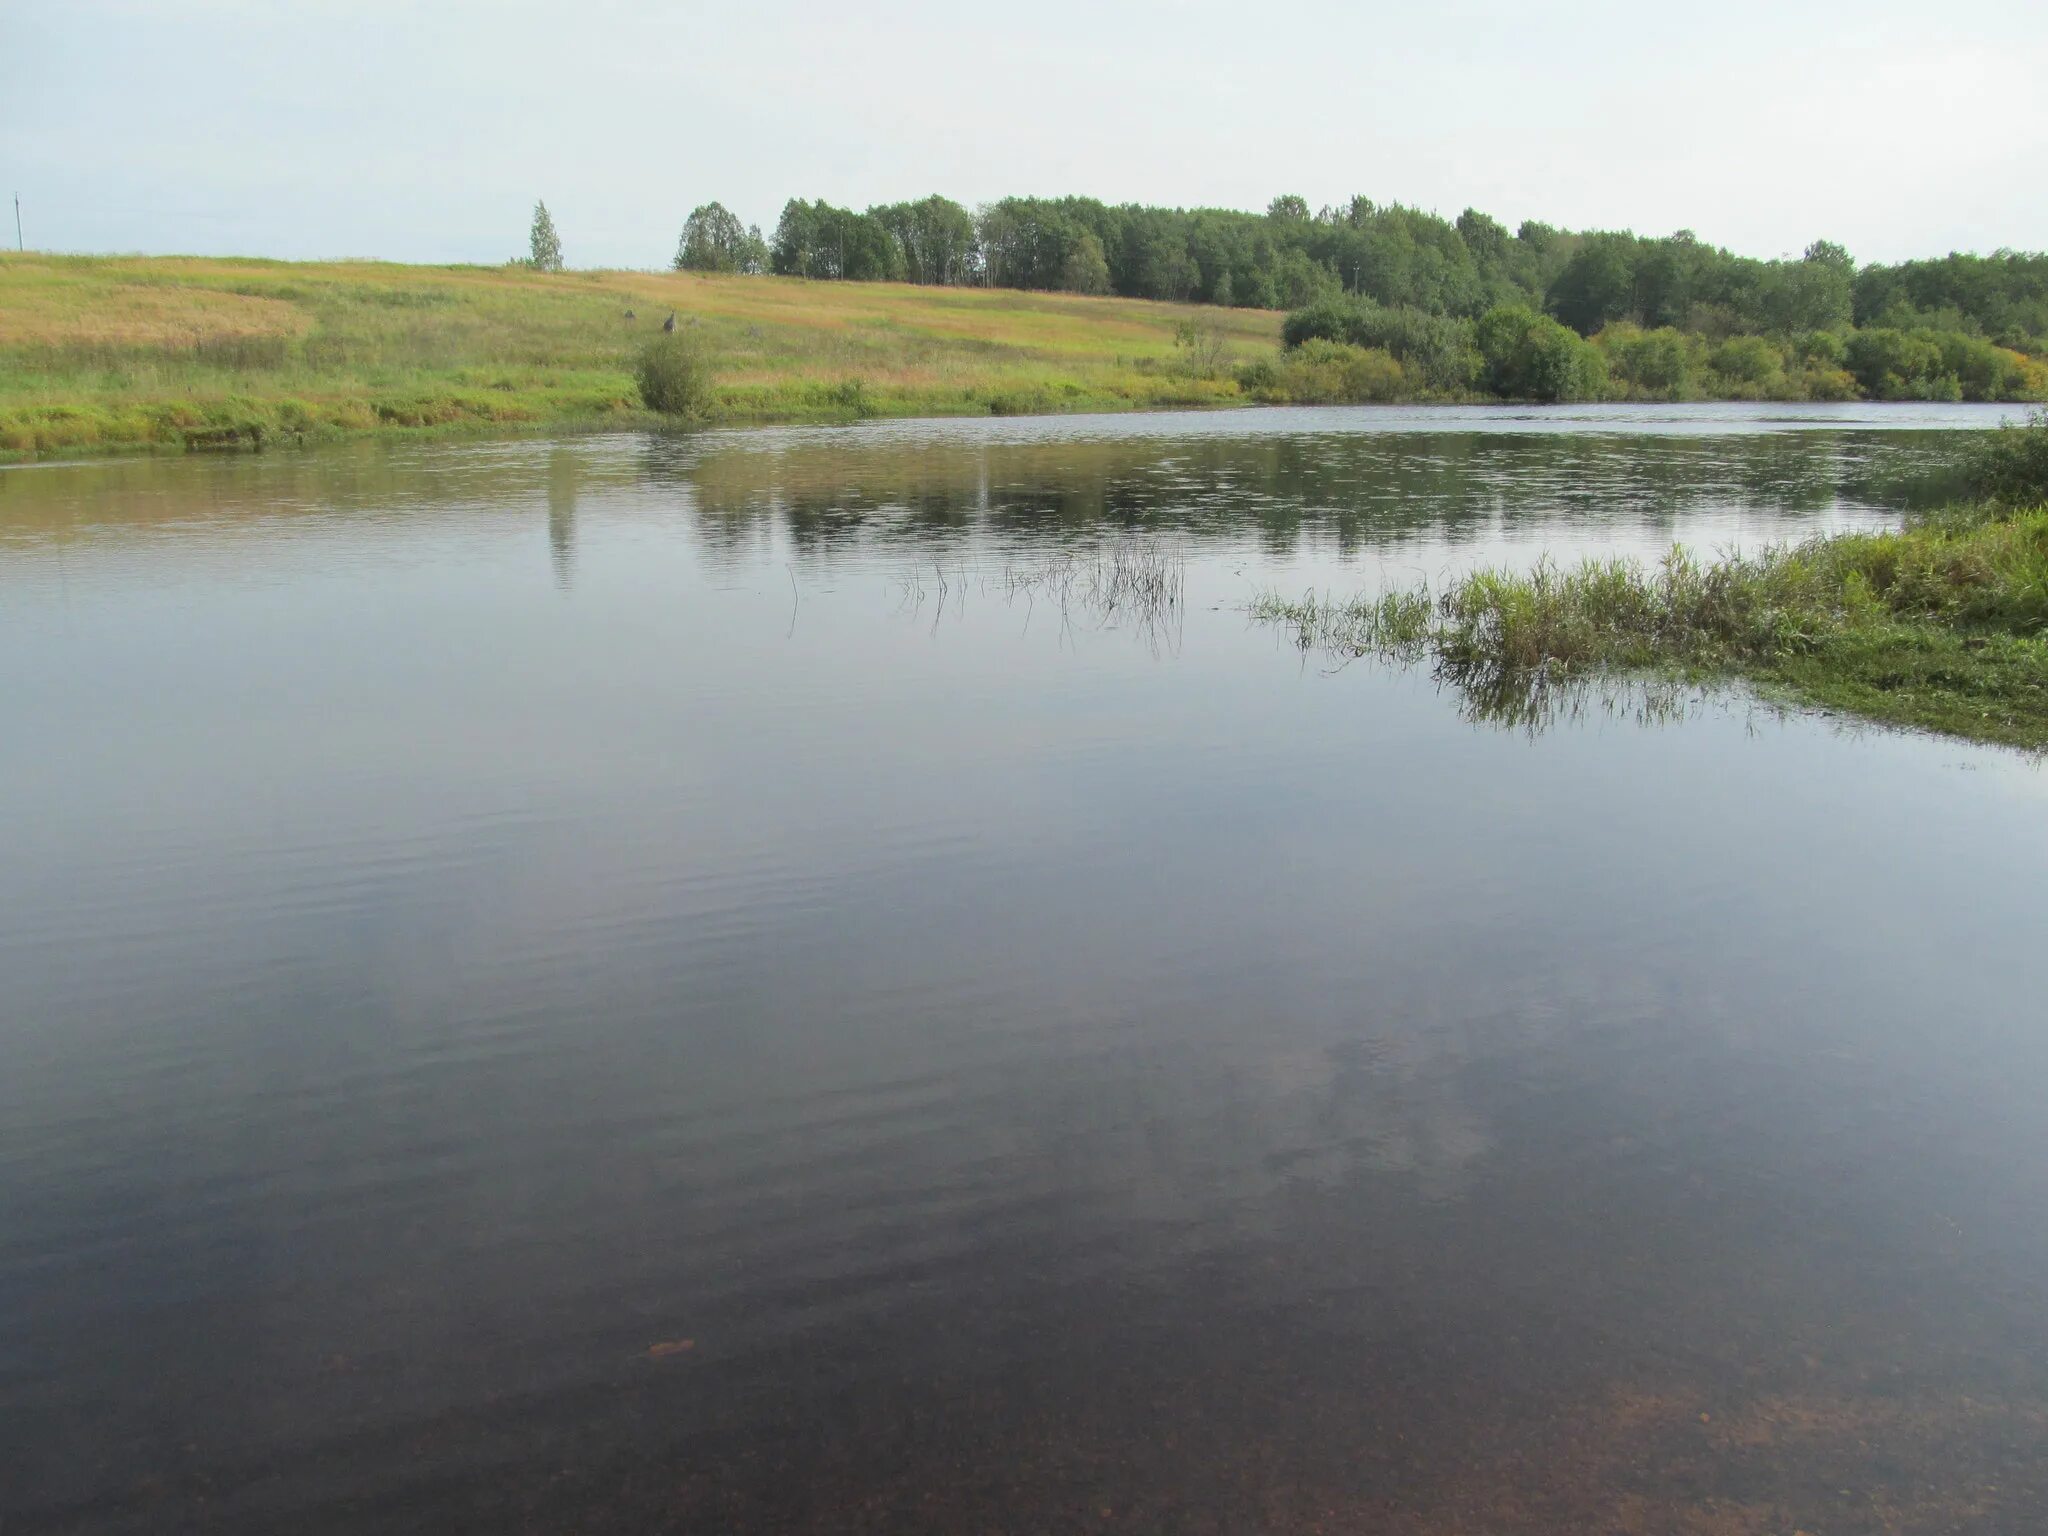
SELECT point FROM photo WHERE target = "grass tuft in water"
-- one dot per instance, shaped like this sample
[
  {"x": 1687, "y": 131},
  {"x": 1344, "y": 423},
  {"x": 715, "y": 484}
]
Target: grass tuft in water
[
  {"x": 1125, "y": 583},
  {"x": 1941, "y": 625}
]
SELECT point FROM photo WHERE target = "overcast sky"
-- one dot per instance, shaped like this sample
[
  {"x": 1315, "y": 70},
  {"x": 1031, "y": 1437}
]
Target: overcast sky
[{"x": 423, "y": 132}]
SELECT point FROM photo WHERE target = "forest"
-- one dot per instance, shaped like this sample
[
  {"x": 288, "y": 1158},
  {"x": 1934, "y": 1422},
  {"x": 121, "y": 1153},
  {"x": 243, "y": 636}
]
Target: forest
[{"x": 1390, "y": 302}]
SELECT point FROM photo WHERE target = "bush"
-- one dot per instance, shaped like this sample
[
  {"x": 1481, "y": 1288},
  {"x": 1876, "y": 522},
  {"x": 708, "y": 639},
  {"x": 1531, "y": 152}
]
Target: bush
[
  {"x": 1819, "y": 349},
  {"x": 1200, "y": 348},
  {"x": 1898, "y": 365},
  {"x": 1435, "y": 350},
  {"x": 674, "y": 375},
  {"x": 1331, "y": 373},
  {"x": 2011, "y": 464},
  {"x": 1983, "y": 371},
  {"x": 1821, "y": 382},
  {"x": 1531, "y": 357},
  {"x": 1745, "y": 360},
  {"x": 1327, "y": 319},
  {"x": 1650, "y": 365},
  {"x": 1261, "y": 379}
]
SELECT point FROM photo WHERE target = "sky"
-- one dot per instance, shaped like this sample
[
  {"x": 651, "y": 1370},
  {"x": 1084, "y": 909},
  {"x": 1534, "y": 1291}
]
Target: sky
[{"x": 424, "y": 132}]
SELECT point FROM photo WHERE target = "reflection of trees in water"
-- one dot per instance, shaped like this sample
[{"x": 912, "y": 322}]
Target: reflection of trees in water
[
  {"x": 1364, "y": 491},
  {"x": 755, "y": 495},
  {"x": 562, "y": 515}
]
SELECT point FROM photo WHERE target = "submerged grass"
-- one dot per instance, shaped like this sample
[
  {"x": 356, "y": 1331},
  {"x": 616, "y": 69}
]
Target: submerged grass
[
  {"x": 109, "y": 354},
  {"x": 1940, "y": 625},
  {"x": 1133, "y": 584}
]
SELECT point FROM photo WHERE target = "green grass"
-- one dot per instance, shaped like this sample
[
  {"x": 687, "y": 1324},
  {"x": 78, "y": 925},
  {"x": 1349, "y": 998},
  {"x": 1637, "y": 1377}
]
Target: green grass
[
  {"x": 110, "y": 354},
  {"x": 1941, "y": 625}
]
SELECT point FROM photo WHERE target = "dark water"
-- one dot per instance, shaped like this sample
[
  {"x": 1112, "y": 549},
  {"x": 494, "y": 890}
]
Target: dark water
[{"x": 635, "y": 985}]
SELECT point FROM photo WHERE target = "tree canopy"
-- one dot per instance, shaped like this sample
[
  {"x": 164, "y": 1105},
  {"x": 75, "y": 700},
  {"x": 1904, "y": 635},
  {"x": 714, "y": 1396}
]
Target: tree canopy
[
  {"x": 544, "y": 245},
  {"x": 1457, "y": 306},
  {"x": 715, "y": 241},
  {"x": 1398, "y": 257}
]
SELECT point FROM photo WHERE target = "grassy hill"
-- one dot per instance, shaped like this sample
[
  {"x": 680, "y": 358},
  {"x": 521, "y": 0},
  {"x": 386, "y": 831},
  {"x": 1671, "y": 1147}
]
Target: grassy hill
[{"x": 110, "y": 353}]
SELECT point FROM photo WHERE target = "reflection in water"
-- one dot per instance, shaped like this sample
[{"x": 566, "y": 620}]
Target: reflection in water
[
  {"x": 1052, "y": 1083},
  {"x": 1378, "y": 489},
  {"x": 562, "y": 514},
  {"x": 1127, "y": 583},
  {"x": 1539, "y": 700}
]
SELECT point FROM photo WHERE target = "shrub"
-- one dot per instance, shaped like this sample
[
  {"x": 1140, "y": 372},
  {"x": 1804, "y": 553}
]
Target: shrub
[
  {"x": 1331, "y": 373},
  {"x": 1822, "y": 349},
  {"x": 2011, "y": 464},
  {"x": 1531, "y": 357},
  {"x": 1981, "y": 370},
  {"x": 1652, "y": 365},
  {"x": 1821, "y": 382},
  {"x": 1261, "y": 379},
  {"x": 851, "y": 396},
  {"x": 674, "y": 375},
  {"x": 1745, "y": 360},
  {"x": 1898, "y": 365},
  {"x": 1324, "y": 320},
  {"x": 1200, "y": 348},
  {"x": 1436, "y": 350}
]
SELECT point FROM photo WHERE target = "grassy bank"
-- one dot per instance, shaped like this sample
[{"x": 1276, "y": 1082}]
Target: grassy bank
[
  {"x": 101, "y": 354},
  {"x": 1941, "y": 625}
]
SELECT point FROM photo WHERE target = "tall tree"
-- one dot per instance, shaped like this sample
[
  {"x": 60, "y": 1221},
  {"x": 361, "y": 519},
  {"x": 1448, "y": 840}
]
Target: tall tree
[
  {"x": 936, "y": 237},
  {"x": 1086, "y": 269},
  {"x": 715, "y": 241},
  {"x": 547, "y": 245}
]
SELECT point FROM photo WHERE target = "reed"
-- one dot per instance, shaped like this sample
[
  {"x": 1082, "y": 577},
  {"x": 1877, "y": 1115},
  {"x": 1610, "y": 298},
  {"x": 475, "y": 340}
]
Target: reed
[{"x": 1941, "y": 625}]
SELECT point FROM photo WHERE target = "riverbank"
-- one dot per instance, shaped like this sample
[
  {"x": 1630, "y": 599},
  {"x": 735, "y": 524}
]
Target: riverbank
[
  {"x": 120, "y": 354},
  {"x": 110, "y": 355},
  {"x": 1940, "y": 626}
]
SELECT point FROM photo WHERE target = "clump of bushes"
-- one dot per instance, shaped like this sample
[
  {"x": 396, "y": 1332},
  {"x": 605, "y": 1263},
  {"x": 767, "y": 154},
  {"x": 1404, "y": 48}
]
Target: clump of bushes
[
  {"x": 2011, "y": 464},
  {"x": 1200, "y": 348},
  {"x": 1436, "y": 351},
  {"x": 1659, "y": 364},
  {"x": 1532, "y": 357},
  {"x": 1322, "y": 372},
  {"x": 1517, "y": 352},
  {"x": 674, "y": 375}
]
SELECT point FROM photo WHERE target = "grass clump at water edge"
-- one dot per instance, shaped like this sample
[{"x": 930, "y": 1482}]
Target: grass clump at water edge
[{"x": 1940, "y": 625}]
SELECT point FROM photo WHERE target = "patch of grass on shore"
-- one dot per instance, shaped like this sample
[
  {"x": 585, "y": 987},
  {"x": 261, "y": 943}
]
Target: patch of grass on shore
[
  {"x": 114, "y": 354},
  {"x": 1941, "y": 625}
]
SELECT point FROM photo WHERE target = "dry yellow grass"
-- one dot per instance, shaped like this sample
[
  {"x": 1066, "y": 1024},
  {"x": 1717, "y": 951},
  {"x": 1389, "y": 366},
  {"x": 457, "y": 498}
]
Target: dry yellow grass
[
  {"x": 77, "y": 310},
  {"x": 101, "y": 353}
]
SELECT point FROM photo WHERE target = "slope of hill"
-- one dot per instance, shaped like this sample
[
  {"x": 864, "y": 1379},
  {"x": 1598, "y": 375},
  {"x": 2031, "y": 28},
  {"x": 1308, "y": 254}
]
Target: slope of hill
[{"x": 104, "y": 354}]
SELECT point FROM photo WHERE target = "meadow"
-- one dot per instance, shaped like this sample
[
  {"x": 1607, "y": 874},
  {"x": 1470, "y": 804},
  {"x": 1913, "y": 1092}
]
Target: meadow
[{"x": 104, "y": 354}]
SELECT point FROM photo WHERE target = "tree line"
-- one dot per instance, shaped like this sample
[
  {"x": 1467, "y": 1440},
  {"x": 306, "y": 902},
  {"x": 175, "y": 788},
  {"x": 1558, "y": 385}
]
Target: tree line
[
  {"x": 1391, "y": 302},
  {"x": 1351, "y": 348},
  {"x": 1397, "y": 257}
]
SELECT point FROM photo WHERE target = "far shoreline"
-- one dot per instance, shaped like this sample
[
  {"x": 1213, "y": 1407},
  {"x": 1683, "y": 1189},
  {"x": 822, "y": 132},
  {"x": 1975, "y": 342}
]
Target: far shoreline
[
  {"x": 1821, "y": 413},
  {"x": 109, "y": 356}
]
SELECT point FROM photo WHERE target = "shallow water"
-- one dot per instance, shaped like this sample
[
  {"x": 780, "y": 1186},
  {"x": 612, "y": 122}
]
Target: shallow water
[{"x": 635, "y": 984}]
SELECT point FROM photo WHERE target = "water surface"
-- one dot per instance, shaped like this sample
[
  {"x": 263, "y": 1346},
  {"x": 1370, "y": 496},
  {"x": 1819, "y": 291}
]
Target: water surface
[{"x": 637, "y": 983}]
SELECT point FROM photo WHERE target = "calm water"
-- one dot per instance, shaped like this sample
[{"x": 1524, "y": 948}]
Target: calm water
[{"x": 637, "y": 984}]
